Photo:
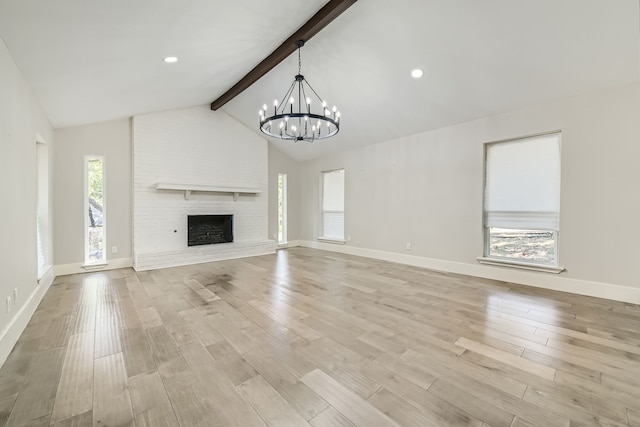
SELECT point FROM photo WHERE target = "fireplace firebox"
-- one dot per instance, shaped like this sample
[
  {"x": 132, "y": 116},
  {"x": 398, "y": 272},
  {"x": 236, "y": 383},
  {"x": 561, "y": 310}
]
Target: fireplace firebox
[{"x": 209, "y": 229}]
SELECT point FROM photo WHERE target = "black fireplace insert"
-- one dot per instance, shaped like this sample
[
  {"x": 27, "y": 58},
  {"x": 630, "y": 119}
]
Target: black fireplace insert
[{"x": 209, "y": 229}]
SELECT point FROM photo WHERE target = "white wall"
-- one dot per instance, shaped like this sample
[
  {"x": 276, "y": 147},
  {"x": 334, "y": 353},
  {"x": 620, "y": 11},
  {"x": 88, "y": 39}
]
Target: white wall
[
  {"x": 112, "y": 140},
  {"x": 279, "y": 162},
  {"x": 196, "y": 146},
  {"x": 426, "y": 189},
  {"x": 21, "y": 118}
]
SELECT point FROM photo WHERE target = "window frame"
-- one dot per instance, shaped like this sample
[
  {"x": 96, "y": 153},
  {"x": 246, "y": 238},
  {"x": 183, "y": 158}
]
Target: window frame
[
  {"x": 282, "y": 177},
  {"x": 490, "y": 259},
  {"x": 322, "y": 237},
  {"x": 88, "y": 262}
]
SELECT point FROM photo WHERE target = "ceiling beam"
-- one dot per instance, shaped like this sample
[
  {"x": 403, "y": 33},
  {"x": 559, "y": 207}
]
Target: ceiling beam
[{"x": 321, "y": 19}]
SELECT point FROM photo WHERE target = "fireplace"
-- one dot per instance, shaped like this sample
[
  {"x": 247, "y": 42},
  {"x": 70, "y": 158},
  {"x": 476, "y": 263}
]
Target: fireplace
[{"x": 209, "y": 229}]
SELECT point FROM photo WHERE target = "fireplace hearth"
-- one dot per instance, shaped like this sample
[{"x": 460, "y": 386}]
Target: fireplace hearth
[{"x": 209, "y": 229}]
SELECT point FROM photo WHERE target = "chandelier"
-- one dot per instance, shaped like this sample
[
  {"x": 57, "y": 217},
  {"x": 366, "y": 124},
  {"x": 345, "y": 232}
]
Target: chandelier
[{"x": 292, "y": 118}]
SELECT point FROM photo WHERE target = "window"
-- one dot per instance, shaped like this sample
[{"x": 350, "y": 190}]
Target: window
[
  {"x": 282, "y": 208},
  {"x": 333, "y": 205},
  {"x": 522, "y": 200},
  {"x": 94, "y": 208}
]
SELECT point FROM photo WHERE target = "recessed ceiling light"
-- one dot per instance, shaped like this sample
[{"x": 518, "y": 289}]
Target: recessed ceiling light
[
  {"x": 417, "y": 73},
  {"x": 170, "y": 59}
]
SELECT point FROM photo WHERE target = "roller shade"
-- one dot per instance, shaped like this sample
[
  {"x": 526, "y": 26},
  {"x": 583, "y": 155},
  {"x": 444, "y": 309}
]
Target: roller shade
[
  {"x": 333, "y": 204},
  {"x": 522, "y": 183}
]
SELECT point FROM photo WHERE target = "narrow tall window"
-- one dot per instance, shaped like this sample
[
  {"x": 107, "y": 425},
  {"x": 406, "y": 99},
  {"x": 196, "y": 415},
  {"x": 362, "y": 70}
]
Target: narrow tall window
[
  {"x": 333, "y": 205},
  {"x": 95, "y": 221},
  {"x": 522, "y": 199},
  {"x": 282, "y": 208},
  {"x": 42, "y": 208}
]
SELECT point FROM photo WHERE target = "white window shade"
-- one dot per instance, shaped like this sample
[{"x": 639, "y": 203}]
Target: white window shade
[
  {"x": 522, "y": 184},
  {"x": 333, "y": 204},
  {"x": 333, "y": 191}
]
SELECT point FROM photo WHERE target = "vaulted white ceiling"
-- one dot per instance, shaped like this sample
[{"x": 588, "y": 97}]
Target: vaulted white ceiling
[{"x": 90, "y": 61}]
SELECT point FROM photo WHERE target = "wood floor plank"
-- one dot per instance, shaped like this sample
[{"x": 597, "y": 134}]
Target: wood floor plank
[
  {"x": 234, "y": 366},
  {"x": 158, "y": 416},
  {"x": 136, "y": 351},
  {"x": 478, "y": 408},
  {"x": 38, "y": 392},
  {"x": 508, "y": 358},
  {"x": 287, "y": 384},
  {"x": 107, "y": 336},
  {"x": 150, "y": 318},
  {"x": 57, "y": 333},
  {"x": 274, "y": 410},
  {"x": 6, "y": 405},
  {"x": 81, "y": 420},
  {"x": 352, "y": 406},
  {"x": 75, "y": 389},
  {"x": 15, "y": 368},
  {"x": 147, "y": 391},
  {"x": 406, "y": 414},
  {"x": 232, "y": 409},
  {"x": 201, "y": 327},
  {"x": 191, "y": 407},
  {"x": 111, "y": 399},
  {"x": 330, "y": 417}
]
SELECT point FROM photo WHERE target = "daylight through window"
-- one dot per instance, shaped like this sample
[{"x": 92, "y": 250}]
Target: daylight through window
[{"x": 94, "y": 210}]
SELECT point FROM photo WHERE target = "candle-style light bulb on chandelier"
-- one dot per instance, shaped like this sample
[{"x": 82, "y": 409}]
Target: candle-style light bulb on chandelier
[{"x": 293, "y": 119}]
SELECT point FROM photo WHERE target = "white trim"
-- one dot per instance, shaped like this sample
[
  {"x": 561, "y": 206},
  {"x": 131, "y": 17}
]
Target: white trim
[
  {"x": 10, "y": 334},
  {"x": 48, "y": 271},
  {"x": 504, "y": 262},
  {"x": 86, "y": 208},
  {"x": 283, "y": 177},
  {"x": 522, "y": 277},
  {"x": 188, "y": 188},
  {"x": 332, "y": 240},
  {"x": 80, "y": 267},
  {"x": 95, "y": 265},
  {"x": 289, "y": 244}
]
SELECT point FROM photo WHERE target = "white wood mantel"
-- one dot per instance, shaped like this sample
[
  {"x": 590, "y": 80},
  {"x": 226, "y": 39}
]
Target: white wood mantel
[{"x": 188, "y": 188}]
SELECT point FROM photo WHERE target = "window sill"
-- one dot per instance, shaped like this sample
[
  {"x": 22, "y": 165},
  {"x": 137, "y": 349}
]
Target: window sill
[
  {"x": 521, "y": 265},
  {"x": 95, "y": 265},
  {"x": 330, "y": 240}
]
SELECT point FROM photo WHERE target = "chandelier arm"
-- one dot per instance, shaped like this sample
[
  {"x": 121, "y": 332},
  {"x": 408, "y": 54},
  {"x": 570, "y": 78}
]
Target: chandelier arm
[
  {"x": 287, "y": 95},
  {"x": 304, "y": 94},
  {"x": 313, "y": 90}
]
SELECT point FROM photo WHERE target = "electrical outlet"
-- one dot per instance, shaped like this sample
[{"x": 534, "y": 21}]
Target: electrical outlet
[
  {"x": 114, "y": 249},
  {"x": 348, "y": 238},
  {"x": 408, "y": 246},
  {"x": 9, "y": 304},
  {"x": 15, "y": 295}
]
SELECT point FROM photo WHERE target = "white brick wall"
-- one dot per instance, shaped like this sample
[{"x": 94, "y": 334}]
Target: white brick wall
[{"x": 195, "y": 146}]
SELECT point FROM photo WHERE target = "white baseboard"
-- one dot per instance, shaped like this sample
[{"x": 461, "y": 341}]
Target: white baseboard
[
  {"x": 112, "y": 264},
  {"x": 10, "y": 334},
  {"x": 289, "y": 244},
  {"x": 505, "y": 274}
]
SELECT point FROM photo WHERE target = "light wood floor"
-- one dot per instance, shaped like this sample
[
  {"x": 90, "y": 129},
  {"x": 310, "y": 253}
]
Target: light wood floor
[{"x": 307, "y": 337}]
